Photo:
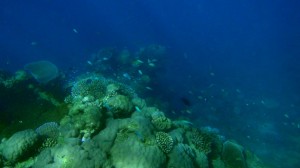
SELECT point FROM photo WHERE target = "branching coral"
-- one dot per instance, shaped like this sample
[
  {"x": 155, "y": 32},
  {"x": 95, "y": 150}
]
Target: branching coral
[
  {"x": 48, "y": 143},
  {"x": 202, "y": 141},
  {"x": 49, "y": 130},
  {"x": 164, "y": 141},
  {"x": 90, "y": 86},
  {"x": 114, "y": 88},
  {"x": 161, "y": 122}
]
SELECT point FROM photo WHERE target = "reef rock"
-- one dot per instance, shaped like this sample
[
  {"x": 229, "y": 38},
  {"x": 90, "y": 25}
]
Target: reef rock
[
  {"x": 67, "y": 155},
  {"x": 181, "y": 156},
  {"x": 19, "y": 145},
  {"x": 120, "y": 106},
  {"x": 132, "y": 153},
  {"x": 233, "y": 155}
]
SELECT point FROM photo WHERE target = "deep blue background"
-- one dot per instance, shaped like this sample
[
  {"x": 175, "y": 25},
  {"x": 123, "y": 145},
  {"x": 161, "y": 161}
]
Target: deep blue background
[{"x": 253, "y": 46}]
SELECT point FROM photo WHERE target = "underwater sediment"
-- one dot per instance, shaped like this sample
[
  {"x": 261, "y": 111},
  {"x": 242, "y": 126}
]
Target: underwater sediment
[{"x": 108, "y": 125}]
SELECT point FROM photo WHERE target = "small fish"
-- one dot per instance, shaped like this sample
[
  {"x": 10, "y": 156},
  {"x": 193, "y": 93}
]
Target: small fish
[
  {"x": 140, "y": 72},
  {"x": 139, "y": 61},
  {"x": 148, "y": 88},
  {"x": 185, "y": 101},
  {"x": 188, "y": 111},
  {"x": 89, "y": 62},
  {"x": 33, "y": 43},
  {"x": 150, "y": 63},
  {"x": 211, "y": 85},
  {"x": 139, "y": 135},
  {"x": 137, "y": 109},
  {"x": 127, "y": 76},
  {"x": 84, "y": 139},
  {"x": 75, "y": 31},
  {"x": 186, "y": 122},
  {"x": 88, "y": 81}
]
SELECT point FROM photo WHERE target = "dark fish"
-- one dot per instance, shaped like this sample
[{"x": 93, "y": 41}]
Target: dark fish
[
  {"x": 89, "y": 81},
  {"x": 185, "y": 101}
]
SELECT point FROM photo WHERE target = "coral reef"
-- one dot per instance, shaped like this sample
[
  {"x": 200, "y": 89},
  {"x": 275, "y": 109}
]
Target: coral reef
[{"x": 107, "y": 125}]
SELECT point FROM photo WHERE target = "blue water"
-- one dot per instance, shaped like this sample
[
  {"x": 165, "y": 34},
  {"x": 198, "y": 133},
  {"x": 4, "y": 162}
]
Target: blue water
[{"x": 236, "y": 63}]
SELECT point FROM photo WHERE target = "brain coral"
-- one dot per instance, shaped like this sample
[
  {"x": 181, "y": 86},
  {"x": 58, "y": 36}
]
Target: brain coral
[{"x": 164, "y": 141}]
